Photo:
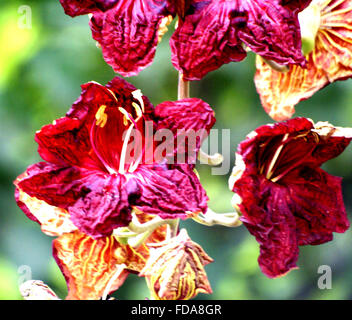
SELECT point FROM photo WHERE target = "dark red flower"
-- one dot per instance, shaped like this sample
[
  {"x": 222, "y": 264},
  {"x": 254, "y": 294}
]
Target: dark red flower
[
  {"x": 75, "y": 8},
  {"x": 92, "y": 173},
  {"x": 214, "y": 34},
  {"x": 285, "y": 198},
  {"x": 209, "y": 33}
]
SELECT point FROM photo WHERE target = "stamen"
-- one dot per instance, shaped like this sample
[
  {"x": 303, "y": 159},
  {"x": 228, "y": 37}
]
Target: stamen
[
  {"x": 101, "y": 116},
  {"x": 163, "y": 27},
  {"x": 126, "y": 116},
  {"x": 135, "y": 164},
  {"x": 310, "y": 21},
  {"x": 138, "y": 95},
  {"x": 299, "y": 162},
  {"x": 275, "y": 157},
  {"x": 292, "y": 167},
  {"x": 113, "y": 94},
  {"x": 316, "y": 137},
  {"x": 138, "y": 110},
  {"x": 124, "y": 149}
]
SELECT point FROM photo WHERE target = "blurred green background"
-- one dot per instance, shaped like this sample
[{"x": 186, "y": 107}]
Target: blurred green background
[{"x": 41, "y": 70}]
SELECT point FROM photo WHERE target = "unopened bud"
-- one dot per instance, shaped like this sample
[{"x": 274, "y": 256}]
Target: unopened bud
[{"x": 175, "y": 269}]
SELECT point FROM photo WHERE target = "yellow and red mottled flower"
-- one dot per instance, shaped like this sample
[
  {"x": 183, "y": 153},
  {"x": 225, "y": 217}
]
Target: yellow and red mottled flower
[
  {"x": 91, "y": 267},
  {"x": 327, "y": 33},
  {"x": 209, "y": 33},
  {"x": 285, "y": 198},
  {"x": 91, "y": 174},
  {"x": 94, "y": 267},
  {"x": 175, "y": 269}
]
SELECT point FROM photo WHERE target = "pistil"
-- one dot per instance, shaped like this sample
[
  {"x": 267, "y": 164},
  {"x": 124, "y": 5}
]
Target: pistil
[{"x": 309, "y": 20}]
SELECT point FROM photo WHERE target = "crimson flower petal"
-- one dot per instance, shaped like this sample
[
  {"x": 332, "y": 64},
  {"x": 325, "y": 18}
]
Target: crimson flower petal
[
  {"x": 97, "y": 203},
  {"x": 205, "y": 40},
  {"x": 75, "y": 8},
  {"x": 93, "y": 179},
  {"x": 212, "y": 33},
  {"x": 295, "y": 5},
  {"x": 89, "y": 265},
  {"x": 170, "y": 192},
  {"x": 318, "y": 211},
  {"x": 274, "y": 229},
  {"x": 285, "y": 198},
  {"x": 57, "y": 186},
  {"x": 105, "y": 207},
  {"x": 272, "y": 30},
  {"x": 129, "y": 32},
  {"x": 91, "y": 136},
  {"x": 67, "y": 142},
  {"x": 190, "y": 121}
]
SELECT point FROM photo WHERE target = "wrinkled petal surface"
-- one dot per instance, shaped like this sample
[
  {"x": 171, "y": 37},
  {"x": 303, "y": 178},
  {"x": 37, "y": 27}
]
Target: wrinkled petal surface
[
  {"x": 85, "y": 150},
  {"x": 272, "y": 30},
  {"x": 274, "y": 229},
  {"x": 205, "y": 40},
  {"x": 318, "y": 211},
  {"x": 286, "y": 200},
  {"x": 106, "y": 205},
  {"x": 96, "y": 203},
  {"x": 297, "y": 5},
  {"x": 212, "y": 34},
  {"x": 175, "y": 269},
  {"x": 80, "y": 138},
  {"x": 129, "y": 32},
  {"x": 92, "y": 175},
  {"x": 189, "y": 121},
  {"x": 329, "y": 61},
  {"x": 170, "y": 192},
  {"x": 93, "y": 266},
  {"x": 67, "y": 142},
  {"x": 75, "y": 8},
  {"x": 54, "y": 221},
  {"x": 88, "y": 265},
  {"x": 57, "y": 186}
]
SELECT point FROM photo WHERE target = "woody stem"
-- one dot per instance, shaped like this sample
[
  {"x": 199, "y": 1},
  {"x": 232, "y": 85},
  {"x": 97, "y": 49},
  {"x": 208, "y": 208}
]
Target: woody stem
[{"x": 183, "y": 91}]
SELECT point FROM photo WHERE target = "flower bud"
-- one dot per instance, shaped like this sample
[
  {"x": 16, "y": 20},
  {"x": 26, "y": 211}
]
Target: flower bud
[{"x": 175, "y": 269}]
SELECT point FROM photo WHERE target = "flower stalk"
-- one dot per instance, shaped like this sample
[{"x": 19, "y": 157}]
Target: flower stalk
[
  {"x": 136, "y": 233},
  {"x": 183, "y": 91},
  {"x": 211, "y": 218},
  {"x": 211, "y": 160}
]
